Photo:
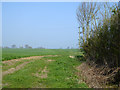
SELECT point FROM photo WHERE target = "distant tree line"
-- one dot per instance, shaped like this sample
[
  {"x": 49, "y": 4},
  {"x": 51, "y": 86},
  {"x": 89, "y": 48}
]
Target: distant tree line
[{"x": 26, "y": 47}]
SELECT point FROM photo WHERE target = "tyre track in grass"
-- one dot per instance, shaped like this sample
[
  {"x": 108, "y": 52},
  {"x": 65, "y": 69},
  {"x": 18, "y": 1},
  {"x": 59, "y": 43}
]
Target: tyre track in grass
[
  {"x": 10, "y": 62},
  {"x": 43, "y": 73},
  {"x": 26, "y": 58},
  {"x": 12, "y": 70}
]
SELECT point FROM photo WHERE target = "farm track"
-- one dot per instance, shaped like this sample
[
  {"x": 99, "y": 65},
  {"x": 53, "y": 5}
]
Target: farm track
[
  {"x": 41, "y": 72},
  {"x": 27, "y": 58},
  {"x": 12, "y": 70},
  {"x": 32, "y": 58}
]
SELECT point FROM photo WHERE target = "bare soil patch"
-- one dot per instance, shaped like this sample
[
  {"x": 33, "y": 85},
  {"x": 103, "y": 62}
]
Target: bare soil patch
[
  {"x": 6, "y": 84},
  {"x": 50, "y": 60},
  {"x": 43, "y": 73},
  {"x": 51, "y": 55},
  {"x": 71, "y": 56}
]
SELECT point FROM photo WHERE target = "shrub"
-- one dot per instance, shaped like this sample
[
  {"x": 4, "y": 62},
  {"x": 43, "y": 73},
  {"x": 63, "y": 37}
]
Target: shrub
[{"x": 103, "y": 45}]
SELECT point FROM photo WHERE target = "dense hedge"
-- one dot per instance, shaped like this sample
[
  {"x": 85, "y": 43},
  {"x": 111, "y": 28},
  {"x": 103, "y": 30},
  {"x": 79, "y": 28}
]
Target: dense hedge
[{"x": 103, "y": 45}]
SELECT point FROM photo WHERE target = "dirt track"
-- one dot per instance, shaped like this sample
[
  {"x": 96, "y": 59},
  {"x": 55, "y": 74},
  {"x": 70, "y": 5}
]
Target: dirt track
[{"x": 12, "y": 70}]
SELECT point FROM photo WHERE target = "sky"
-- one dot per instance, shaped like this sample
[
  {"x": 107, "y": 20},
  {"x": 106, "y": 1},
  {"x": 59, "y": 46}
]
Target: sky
[
  {"x": 40, "y": 24},
  {"x": 50, "y": 25}
]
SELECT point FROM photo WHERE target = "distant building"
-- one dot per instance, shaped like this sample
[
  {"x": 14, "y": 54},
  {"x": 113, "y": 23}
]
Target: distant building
[
  {"x": 13, "y": 46},
  {"x": 6, "y": 47},
  {"x": 41, "y": 48},
  {"x": 68, "y": 47},
  {"x": 21, "y": 47}
]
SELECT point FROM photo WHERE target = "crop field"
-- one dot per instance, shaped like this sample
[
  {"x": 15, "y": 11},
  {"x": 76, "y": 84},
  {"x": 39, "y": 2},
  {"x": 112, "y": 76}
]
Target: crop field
[
  {"x": 8, "y": 54},
  {"x": 41, "y": 68}
]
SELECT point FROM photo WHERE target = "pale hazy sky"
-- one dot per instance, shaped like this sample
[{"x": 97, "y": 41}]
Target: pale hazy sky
[
  {"x": 46, "y": 24},
  {"x": 50, "y": 25}
]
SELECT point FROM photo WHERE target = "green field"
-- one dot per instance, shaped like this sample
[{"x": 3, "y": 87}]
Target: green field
[
  {"x": 8, "y": 54},
  {"x": 46, "y": 72}
]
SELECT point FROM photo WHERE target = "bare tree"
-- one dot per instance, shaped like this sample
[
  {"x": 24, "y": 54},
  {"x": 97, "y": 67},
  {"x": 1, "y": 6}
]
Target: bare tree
[{"x": 86, "y": 13}]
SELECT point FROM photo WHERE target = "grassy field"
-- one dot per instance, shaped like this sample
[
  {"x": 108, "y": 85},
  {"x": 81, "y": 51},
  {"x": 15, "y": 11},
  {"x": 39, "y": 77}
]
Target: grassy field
[
  {"x": 8, "y": 54},
  {"x": 42, "y": 72}
]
